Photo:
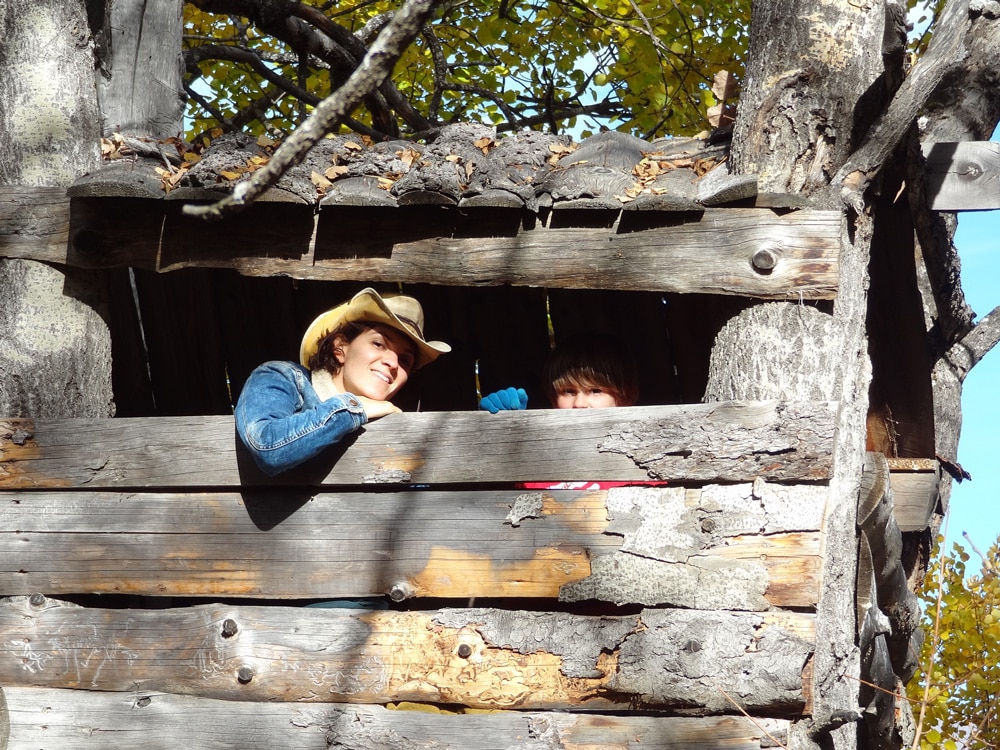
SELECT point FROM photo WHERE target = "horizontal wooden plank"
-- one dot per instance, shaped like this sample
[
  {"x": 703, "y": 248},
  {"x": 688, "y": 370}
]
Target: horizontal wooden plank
[
  {"x": 741, "y": 251},
  {"x": 149, "y": 720},
  {"x": 734, "y": 546},
  {"x": 963, "y": 176},
  {"x": 725, "y": 441},
  {"x": 660, "y": 659},
  {"x": 34, "y": 222}
]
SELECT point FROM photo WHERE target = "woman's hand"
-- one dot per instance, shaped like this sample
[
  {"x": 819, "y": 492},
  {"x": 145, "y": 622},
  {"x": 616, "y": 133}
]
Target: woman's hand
[{"x": 376, "y": 409}]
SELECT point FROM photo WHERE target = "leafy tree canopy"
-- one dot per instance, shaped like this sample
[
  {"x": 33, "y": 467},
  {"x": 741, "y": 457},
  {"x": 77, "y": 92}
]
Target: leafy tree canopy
[
  {"x": 957, "y": 701},
  {"x": 643, "y": 66}
]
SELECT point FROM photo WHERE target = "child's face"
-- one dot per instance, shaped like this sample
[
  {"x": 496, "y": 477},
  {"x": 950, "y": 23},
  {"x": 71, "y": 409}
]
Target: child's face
[{"x": 583, "y": 395}]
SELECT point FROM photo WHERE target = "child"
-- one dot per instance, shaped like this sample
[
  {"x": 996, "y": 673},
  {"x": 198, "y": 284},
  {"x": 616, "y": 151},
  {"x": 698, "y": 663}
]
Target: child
[{"x": 587, "y": 372}]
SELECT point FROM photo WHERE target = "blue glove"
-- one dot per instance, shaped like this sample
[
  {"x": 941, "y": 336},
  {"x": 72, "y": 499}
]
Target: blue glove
[{"x": 507, "y": 399}]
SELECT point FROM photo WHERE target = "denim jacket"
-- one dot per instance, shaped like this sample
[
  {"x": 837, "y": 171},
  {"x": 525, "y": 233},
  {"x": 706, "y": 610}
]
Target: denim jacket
[{"x": 282, "y": 420}]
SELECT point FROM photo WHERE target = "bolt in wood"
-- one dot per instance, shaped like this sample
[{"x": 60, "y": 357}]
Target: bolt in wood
[{"x": 764, "y": 260}]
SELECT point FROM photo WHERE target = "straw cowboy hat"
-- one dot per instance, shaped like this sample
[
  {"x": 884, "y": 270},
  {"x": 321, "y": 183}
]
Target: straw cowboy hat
[{"x": 394, "y": 310}]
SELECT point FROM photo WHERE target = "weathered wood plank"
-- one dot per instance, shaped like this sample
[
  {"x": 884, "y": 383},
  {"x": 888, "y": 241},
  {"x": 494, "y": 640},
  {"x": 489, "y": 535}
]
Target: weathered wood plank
[
  {"x": 33, "y": 220},
  {"x": 914, "y": 485},
  {"x": 749, "y": 252},
  {"x": 714, "y": 255},
  {"x": 659, "y": 659},
  {"x": 83, "y": 720},
  {"x": 730, "y": 547},
  {"x": 963, "y": 176},
  {"x": 725, "y": 441}
]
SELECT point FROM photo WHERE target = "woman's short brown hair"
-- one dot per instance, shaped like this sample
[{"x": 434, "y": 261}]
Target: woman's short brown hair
[{"x": 325, "y": 357}]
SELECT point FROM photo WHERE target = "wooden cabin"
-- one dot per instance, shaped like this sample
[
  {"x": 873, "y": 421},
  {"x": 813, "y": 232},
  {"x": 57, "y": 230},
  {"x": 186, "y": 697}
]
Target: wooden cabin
[{"x": 162, "y": 592}]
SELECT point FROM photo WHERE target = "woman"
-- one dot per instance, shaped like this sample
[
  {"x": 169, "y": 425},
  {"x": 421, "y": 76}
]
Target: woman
[{"x": 353, "y": 360}]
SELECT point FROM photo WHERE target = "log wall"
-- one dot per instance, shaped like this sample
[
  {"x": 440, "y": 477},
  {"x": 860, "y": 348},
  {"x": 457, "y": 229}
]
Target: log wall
[{"x": 148, "y": 564}]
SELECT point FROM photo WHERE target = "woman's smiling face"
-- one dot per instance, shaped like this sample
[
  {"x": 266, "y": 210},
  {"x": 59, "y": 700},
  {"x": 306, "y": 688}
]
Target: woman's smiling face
[{"x": 376, "y": 364}]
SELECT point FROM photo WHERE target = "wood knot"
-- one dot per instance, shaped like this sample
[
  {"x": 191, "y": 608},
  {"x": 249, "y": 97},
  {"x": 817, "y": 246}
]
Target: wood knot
[{"x": 229, "y": 628}]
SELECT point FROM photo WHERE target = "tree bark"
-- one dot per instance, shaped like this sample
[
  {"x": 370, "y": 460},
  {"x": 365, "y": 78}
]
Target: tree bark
[
  {"x": 55, "y": 348},
  {"x": 140, "y": 68},
  {"x": 815, "y": 81},
  {"x": 811, "y": 90}
]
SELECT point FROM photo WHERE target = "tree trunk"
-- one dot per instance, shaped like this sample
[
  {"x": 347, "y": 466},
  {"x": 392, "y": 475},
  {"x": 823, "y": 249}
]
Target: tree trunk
[
  {"x": 55, "y": 348},
  {"x": 812, "y": 88},
  {"x": 140, "y": 67}
]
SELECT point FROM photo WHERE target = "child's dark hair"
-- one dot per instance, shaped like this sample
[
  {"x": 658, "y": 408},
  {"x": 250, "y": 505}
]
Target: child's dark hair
[{"x": 594, "y": 359}]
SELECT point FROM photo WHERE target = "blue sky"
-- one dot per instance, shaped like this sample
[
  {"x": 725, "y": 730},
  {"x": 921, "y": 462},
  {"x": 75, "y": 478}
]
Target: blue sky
[{"x": 974, "y": 505}]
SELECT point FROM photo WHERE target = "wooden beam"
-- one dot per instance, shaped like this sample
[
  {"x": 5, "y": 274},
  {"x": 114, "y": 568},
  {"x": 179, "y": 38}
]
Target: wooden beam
[
  {"x": 724, "y": 441},
  {"x": 748, "y": 252},
  {"x": 659, "y": 659},
  {"x": 963, "y": 176},
  {"x": 914, "y": 483},
  {"x": 84, "y": 720},
  {"x": 34, "y": 222},
  {"x": 744, "y": 546}
]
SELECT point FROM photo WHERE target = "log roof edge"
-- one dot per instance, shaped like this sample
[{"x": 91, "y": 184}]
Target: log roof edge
[{"x": 467, "y": 165}]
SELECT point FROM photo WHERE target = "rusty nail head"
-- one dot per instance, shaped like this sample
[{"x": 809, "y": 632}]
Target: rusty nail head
[
  {"x": 229, "y": 628},
  {"x": 464, "y": 650},
  {"x": 37, "y": 600},
  {"x": 764, "y": 260},
  {"x": 400, "y": 592},
  {"x": 245, "y": 674}
]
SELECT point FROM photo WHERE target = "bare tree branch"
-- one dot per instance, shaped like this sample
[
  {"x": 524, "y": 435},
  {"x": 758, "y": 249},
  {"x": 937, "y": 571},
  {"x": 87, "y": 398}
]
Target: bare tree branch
[
  {"x": 976, "y": 344},
  {"x": 377, "y": 64},
  {"x": 946, "y": 52},
  {"x": 203, "y": 52}
]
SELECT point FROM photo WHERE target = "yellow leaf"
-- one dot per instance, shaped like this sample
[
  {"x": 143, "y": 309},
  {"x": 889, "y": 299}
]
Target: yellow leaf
[
  {"x": 469, "y": 168},
  {"x": 191, "y": 157},
  {"x": 319, "y": 180},
  {"x": 408, "y": 156},
  {"x": 485, "y": 144},
  {"x": 259, "y": 160},
  {"x": 385, "y": 183},
  {"x": 265, "y": 141},
  {"x": 334, "y": 172},
  {"x": 229, "y": 175},
  {"x": 724, "y": 85},
  {"x": 353, "y": 146},
  {"x": 453, "y": 158}
]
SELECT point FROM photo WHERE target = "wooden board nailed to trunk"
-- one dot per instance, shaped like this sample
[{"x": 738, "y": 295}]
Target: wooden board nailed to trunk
[
  {"x": 670, "y": 659},
  {"x": 743, "y": 546},
  {"x": 41, "y": 717},
  {"x": 724, "y": 441}
]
